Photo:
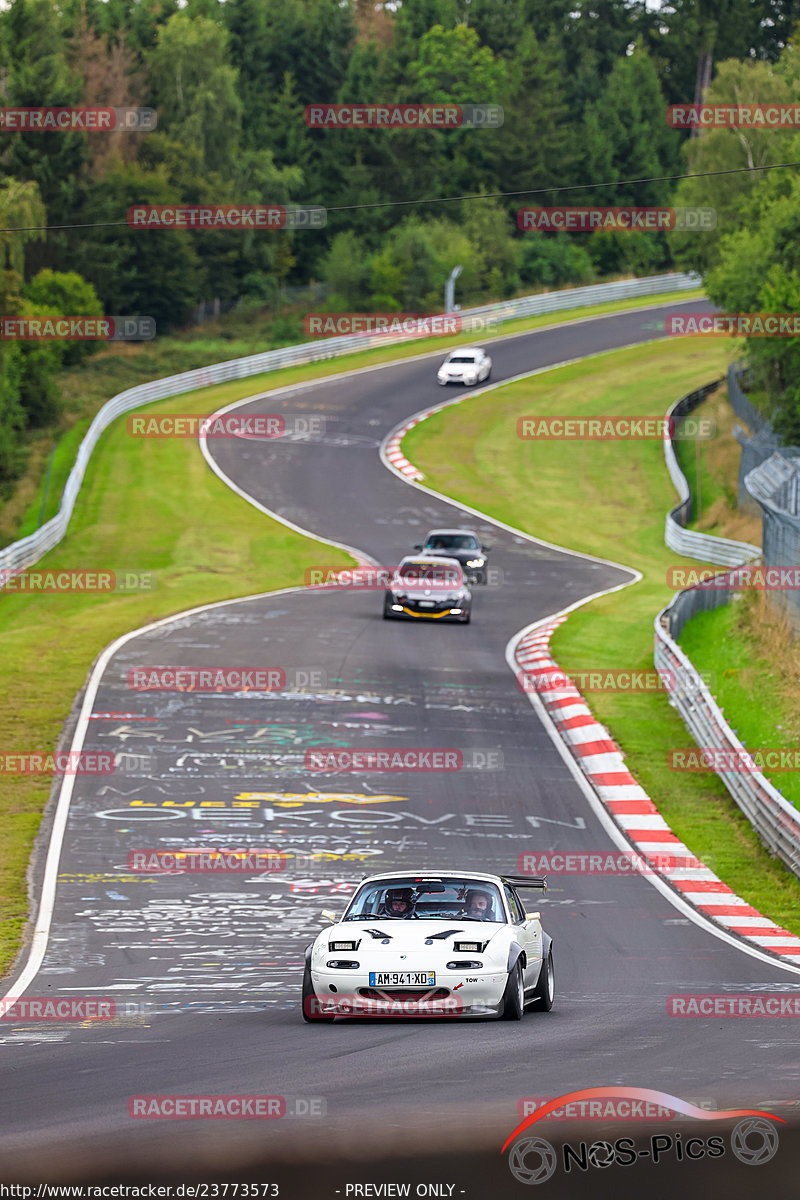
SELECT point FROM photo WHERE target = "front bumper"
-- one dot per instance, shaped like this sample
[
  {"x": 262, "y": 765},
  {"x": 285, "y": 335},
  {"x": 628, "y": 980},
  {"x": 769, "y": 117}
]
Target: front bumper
[
  {"x": 455, "y": 994},
  {"x": 469, "y": 380},
  {"x": 441, "y": 611}
]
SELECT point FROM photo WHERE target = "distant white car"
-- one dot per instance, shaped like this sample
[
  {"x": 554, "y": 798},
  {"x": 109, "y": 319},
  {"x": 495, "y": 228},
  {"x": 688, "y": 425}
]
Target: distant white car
[
  {"x": 467, "y": 365},
  {"x": 431, "y": 943}
]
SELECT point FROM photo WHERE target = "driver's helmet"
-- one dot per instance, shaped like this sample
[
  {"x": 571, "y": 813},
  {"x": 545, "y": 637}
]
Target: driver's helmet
[
  {"x": 479, "y": 904},
  {"x": 399, "y": 902}
]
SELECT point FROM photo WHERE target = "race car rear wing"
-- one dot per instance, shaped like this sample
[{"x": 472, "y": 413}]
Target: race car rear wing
[{"x": 528, "y": 881}]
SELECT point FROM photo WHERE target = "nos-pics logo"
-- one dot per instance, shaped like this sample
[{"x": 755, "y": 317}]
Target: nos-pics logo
[{"x": 533, "y": 1159}]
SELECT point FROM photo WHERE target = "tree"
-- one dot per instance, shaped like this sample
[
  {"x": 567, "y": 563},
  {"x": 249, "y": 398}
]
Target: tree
[
  {"x": 729, "y": 149},
  {"x": 196, "y": 89},
  {"x": 146, "y": 272},
  {"x": 64, "y": 294},
  {"x": 38, "y": 74}
]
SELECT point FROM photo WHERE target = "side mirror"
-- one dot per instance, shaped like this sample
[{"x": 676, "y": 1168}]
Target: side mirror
[
  {"x": 329, "y": 915},
  {"x": 485, "y": 549},
  {"x": 418, "y": 547},
  {"x": 534, "y": 916}
]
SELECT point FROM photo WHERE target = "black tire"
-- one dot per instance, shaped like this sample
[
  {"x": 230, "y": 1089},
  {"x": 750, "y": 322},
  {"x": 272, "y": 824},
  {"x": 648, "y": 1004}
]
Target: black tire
[
  {"x": 514, "y": 995},
  {"x": 543, "y": 997},
  {"x": 308, "y": 995},
  {"x": 387, "y": 616},
  {"x": 468, "y": 618}
]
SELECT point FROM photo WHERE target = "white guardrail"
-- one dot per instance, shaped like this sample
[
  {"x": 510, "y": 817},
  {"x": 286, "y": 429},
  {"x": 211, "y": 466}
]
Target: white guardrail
[
  {"x": 776, "y": 821},
  {"x": 27, "y": 551},
  {"x": 689, "y": 542}
]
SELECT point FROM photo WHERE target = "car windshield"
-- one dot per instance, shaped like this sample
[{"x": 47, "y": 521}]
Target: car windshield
[
  {"x": 437, "y": 898},
  {"x": 426, "y": 574},
  {"x": 462, "y": 358},
  {"x": 452, "y": 541}
]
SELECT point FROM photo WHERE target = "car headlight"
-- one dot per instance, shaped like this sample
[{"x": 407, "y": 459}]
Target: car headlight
[
  {"x": 464, "y": 965},
  {"x": 334, "y": 946},
  {"x": 465, "y": 947},
  {"x": 475, "y": 562},
  {"x": 344, "y": 964}
]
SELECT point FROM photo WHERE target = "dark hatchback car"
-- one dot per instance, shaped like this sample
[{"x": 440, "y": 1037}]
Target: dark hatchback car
[
  {"x": 428, "y": 588},
  {"x": 461, "y": 544}
]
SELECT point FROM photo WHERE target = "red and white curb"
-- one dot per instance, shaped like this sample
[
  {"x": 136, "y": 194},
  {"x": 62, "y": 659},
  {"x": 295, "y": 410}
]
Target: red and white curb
[
  {"x": 601, "y": 761},
  {"x": 394, "y": 454},
  {"x": 391, "y": 453}
]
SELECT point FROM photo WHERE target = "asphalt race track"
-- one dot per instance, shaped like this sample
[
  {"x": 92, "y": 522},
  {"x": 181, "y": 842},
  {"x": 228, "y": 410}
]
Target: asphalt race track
[{"x": 205, "y": 969}]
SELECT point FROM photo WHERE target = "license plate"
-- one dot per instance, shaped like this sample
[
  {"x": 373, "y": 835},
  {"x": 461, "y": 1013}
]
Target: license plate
[
  {"x": 427, "y": 603},
  {"x": 398, "y": 978}
]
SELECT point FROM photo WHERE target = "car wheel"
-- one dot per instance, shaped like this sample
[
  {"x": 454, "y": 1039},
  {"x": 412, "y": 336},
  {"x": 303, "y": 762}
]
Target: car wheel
[
  {"x": 467, "y": 618},
  {"x": 309, "y": 996},
  {"x": 513, "y": 1004},
  {"x": 489, "y": 374},
  {"x": 386, "y": 611},
  {"x": 480, "y": 577},
  {"x": 545, "y": 992}
]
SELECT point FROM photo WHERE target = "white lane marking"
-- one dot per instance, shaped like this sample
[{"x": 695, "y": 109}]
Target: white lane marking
[
  {"x": 549, "y": 621},
  {"x": 44, "y": 915}
]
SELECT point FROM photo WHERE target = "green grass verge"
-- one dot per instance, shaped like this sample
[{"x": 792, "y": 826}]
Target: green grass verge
[
  {"x": 609, "y": 499},
  {"x": 747, "y": 683},
  {"x": 88, "y": 387},
  {"x": 203, "y": 542},
  {"x": 145, "y": 504}
]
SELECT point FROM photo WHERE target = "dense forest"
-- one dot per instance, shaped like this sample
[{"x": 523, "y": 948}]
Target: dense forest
[{"x": 583, "y": 87}]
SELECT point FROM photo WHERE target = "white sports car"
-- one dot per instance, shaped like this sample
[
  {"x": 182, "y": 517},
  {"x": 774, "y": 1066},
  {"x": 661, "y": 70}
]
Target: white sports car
[
  {"x": 467, "y": 365},
  {"x": 431, "y": 943}
]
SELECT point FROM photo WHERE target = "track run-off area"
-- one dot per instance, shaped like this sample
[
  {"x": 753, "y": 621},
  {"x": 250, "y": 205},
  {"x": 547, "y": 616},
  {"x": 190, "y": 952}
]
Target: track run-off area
[{"x": 205, "y": 969}]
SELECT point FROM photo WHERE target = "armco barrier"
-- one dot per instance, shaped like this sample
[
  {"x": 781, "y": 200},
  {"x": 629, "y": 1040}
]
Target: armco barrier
[
  {"x": 759, "y": 447},
  {"x": 690, "y": 542},
  {"x": 29, "y": 550},
  {"x": 775, "y": 820}
]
